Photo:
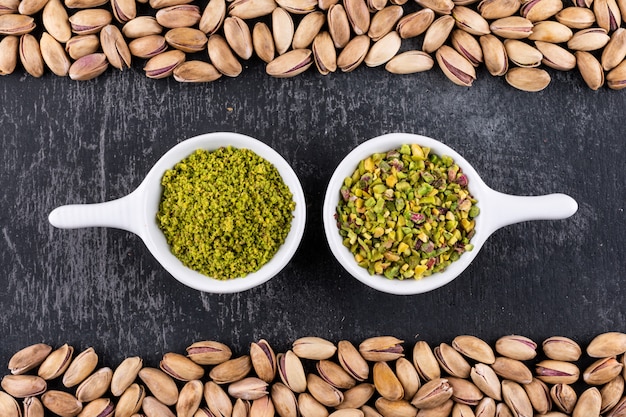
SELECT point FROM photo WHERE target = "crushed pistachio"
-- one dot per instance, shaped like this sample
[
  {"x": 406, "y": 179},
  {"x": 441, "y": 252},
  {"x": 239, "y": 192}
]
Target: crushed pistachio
[
  {"x": 406, "y": 213},
  {"x": 225, "y": 213}
]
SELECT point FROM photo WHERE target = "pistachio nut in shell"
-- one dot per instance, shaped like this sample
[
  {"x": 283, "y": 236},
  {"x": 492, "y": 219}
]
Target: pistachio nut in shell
[
  {"x": 125, "y": 374},
  {"x": 410, "y": 62},
  {"x": 347, "y": 412},
  {"x": 16, "y": 24},
  {"x": 147, "y": 46},
  {"x": 141, "y": 26},
  {"x": 241, "y": 408},
  {"x": 397, "y": 408},
  {"x": 249, "y": 388},
  {"x": 102, "y": 407},
  {"x": 550, "y": 31},
  {"x": 294, "y": 62},
  {"x": 589, "y": 404},
  {"x": 555, "y": 372},
  {"x": 608, "y": 15},
  {"x": 262, "y": 355},
  {"x": 438, "y": 6},
  {"x": 357, "y": 396},
  {"x": 386, "y": 382},
  {"x": 437, "y": 34},
  {"x": 531, "y": 80},
  {"x": 251, "y": 9},
  {"x": 30, "y": 7},
  {"x": 31, "y": 356},
  {"x": 174, "y": 364},
  {"x": 494, "y": 55},
  {"x": 485, "y": 408},
  {"x": 124, "y": 10},
  {"x": 161, "y": 385},
  {"x": 184, "y": 15},
  {"x": 22, "y": 386},
  {"x": 232, "y": 370},
  {"x": 514, "y": 395},
  {"x": 513, "y": 27},
  {"x": 517, "y": 347},
  {"x": 56, "y": 21},
  {"x": 334, "y": 374},
  {"x": 591, "y": 70},
  {"x": 310, "y": 407},
  {"x": 352, "y": 361},
  {"x": 607, "y": 344},
  {"x": 9, "y": 6},
  {"x": 611, "y": 393},
  {"x": 468, "y": 345},
  {"x": 616, "y": 78},
  {"x": 564, "y": 397},
  {"x": 358, "y": 16},
  {"x": 115, "y": 47},
  {"x": 502, "y": 410},
  {"x": 348, "y": 60},
  {"x": 464, "y": 391},
  {"x": 619, "y": 410},
  {"x": 455, "y": 67},
  {"x": 414, "y": 24},
  {"x": 282, "y": 30},
  {"x": 323, "y": 392},
  {"x": 557, "y": 57},
  {"x": 210, "y": 21},
  {"x": 32, "y": 61},
  {"x": 263, "y": 43},
  {"x": 369, "y": 411},
  {"x": 61, "y": 403},
  {"x": 497, "y": 9},
  {"x": 539, "y": 10},
  {"x": 425, "y": 362},
  {"x": 238, "y": 35},
  {"x": 576, "y": 17},
  {"x": 159, "y": 4},
  {"x": 222, "y": 58},
  {"x": 615, "y": 50},
  {"x": 432, "y": 394},
  {"x": 470, "y": 21},
  {"x": 298, "y": 6},
  {"x": 325, "y": 4},
  {"x": 263, "y": 407},
  {"x": 338, "y": 25},
  {"x": 522, "y": 55},
  {"x": 155, "y": 408},
  {"x": 468, "y": 46},
  {"x": 383, "y": 50},
  {"x": 442, "y": 410},
  {"x": 539, "y": 395},
  {"x": 587, "y": 40},
  {"x": 308, "y": 28},
  {"x": 325, "y": 58},
  {"x": 485, "y": 378},
  {"x": 34, "y": 408},
  {"x": 89, "y": 21},
  {"x": 95, "y": 386},
  {"x": 602, "y": 370},
  {"x": 187, "y": 40},
  {"x": 218, "y": 401},
  {"x": 408, "y": 377},
  {"x": 8, "y": 406},
  {"x": 384, "y": 21},
  {"x": 284, "y": 400},
  {"x": 189, "y": 398},
  {"x": 130, "y": 401}
]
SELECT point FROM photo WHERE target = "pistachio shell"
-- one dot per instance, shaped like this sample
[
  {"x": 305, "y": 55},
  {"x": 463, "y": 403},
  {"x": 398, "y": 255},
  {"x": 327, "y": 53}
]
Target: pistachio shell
[
  {"x": 497, "y": 9},
  {"x": 155, "y": 408},
  {"x": 81, "y": 45},
  {"x": 222, "y": 57},
  {"x": 338, "y": 25},
  {"x": 124, "y": 10},
  {"x": 383, "y": 50},
  {"x": 564, "y": 397},
  {"x": 250, "y": 388},
  {"x": 263, "y": 43},
  {"x": 437, "y": 33},
  {"x": 416, "y": 23},
  {"x": 432, "y": 394},
  {"x": 284, "y": 400},
  {"x": 470, "y": 48},
  {"x": 358, "y": 15},
  {"x": 184, "y": 15},
  {"x": 603, "y": 370},
  {"x": 232, "y": 370},
  {"x": 538, "y": 10},
  {"x": 8, "y": 406},
  {"x": 125, "y": 374},
  {"x": 238, "y": 36},
  {"x": 512, "y": 393},
  {"x": 310, "y": 407},
  {"x": 528, "y": 79},
  {"x": 22, "y": 386},
  {"x": 514, "y": 27},
  {"x": 398, "y": 408},
  {"x": 262, "y": 355},
  {"x": 549, "y": 31},
  {"x": 210, "y": 21},
  {"x": 335, "y": 375},
  {"x": 218, "y": 401},
  {"x": 9, "y": 46},
  {"x": 30, "y": 7},
  {"x": 61, "y": 403},
  {"x": 89, "y": 21},
  {"x": 282, "y": 30},
  {"x": 456, "y": 68},
  {"x": 16, "y": 24},
  {"x": 425, "y": 361},
  {"x": 352, "y": 361},
  {"x": 147, "y": 46},
  {"x": 325, "y": 57},
  {"x": 307, "y": 30},
  {"x": 160, "y": 384},
  {"x": 616, "y": 78},
  {"x": 588, "y": 404},
  {"x": 472, "y": 346},
  {"x": 383, "y": 22},
  {"x": 576, "y": 17},
  {"x": 589, "y": 40},
  {"x": 141, "y": 26},
  {"x": 485, "y": 378},
  {"x": 494, "y": 55},
  {"x": 386, "y": 382},
  {"x": 464, "y": 391},
  {"x": 607, "y": 14},
  {"x": 515, "y": 346},
  {"x": 95, "y": 386},
  {"x": 9, "y": 6},
  {"x": 263, "y": 407},
  {"x": 357, "y": 396},
  {"x": 31, "y": 356},
  {"x": 611, "y": 393},
  {"x": 410, "y": 62},
  {"x": 561, "y": 59},
  {"x": 555, "y": 372},
  {"x": 539, "y": 395},
  {"x": 323, "y": 392},
  {"x": 251, "y": 9},
  {"x": 115, "y": 48},
  {"x": 348, "y": 60},
  {"x": 615, "y": 50},
  {"x": 607, "y": 344},
  {"x": 522, "y": 55},
  {"x": 298, "y": 6},
  {"x": 34, "y": 408},
  {"x": 438, "y": 6},
  {"x": 102, "y": 407},
  {"x": 130, "y": 401},
  {"x": 56, "y": 21},
  {"x": 189, "y": 399},
  {"x": 470, "y": 21}
]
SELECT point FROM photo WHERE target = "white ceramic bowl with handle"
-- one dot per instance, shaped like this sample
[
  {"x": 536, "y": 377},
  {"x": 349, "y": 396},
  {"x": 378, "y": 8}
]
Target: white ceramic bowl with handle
[
  {"x": 496, "y": 210},
  {"x": 137, "y": 212}
]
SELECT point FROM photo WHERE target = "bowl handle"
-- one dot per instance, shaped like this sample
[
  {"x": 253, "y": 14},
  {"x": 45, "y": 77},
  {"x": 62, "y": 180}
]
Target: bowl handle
[
  {"x": 510, "y": 209},
  {"x": 122, "y": 213}
]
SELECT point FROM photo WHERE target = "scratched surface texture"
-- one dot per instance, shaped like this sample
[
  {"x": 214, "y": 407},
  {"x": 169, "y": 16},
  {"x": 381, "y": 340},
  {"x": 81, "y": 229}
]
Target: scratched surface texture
[{"x": 67, "y": 142}]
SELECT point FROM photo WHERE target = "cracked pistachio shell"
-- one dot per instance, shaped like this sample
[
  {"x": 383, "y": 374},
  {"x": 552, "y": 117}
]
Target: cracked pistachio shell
[
  {"x": 348, "y": 60},
  {"x": 95, "y": 386},
  {"x": 494, "y": 55},
  {"x": 9, "y": 46},
  {"x": 357, "y": 396},
  {"x": 607, "y": 14},
  {"x": 89, "y": 21},
  {"x": 290, "y": 367},
  {"x": 153, "y": 407},
  {"x": 130, "y": 401},
  {"x": 470, "y": 21},
  {"x": 102, "y": 407},
  {"x": 497, "y": 9},
  {"x": 437, "y": 34},
  {"x": 161, "y": 385},
  {"x": 550, "y": 31},
  {"x": 383, "y": 50},
  {"x": 607, "y": 344},
  {"x": 522, "y": 55},
  {"x": 238, "y": 35},
  {"x": 56, "y": 362},
  {"x": 210, "y": 21},
  {"x": 338, "y": 25},
  {"x": 324, "y": 56},
  {"x": 587, "y": 40},
  {"x": 539, "y": 10},
  {"x": 34, "y": 408},
  {"x": 323, "y": 392},
  {"x": 416, "y": 23},
  {"x": 22, "y": 386},
  {"x": 611, "y": 393},
  {"x": 184, "y": 15},
  {"x": 516, "y": 347},
  {"x": 284, "y": 400},
  {"x": 16, "y": 24},
  {"x": 564, "y": 397},
  {"x": 455, "y": 67},
  {"x": 589, "y": 404},
  {"x": 384, "y": 21},
  {"x": 124, "y": 10},
  {"x": 305, "y": 33},
  {"x": 262, "y": 355},
  {"x": 351, "y": 360},
  {"x": 232, "y": 370},
  {"x": 222, "y": 57},
  {"x": 61, "y": 403},
  {"x": 603, "y": 370},
  {"x": 263, "y": 407},
  {"x": 516, "y": 399},
  {"x": 147, "y": 46},
  {"x": 485, "y": 408},
  {"x": 9, "y": 6},
  {"x": 141, "y": 26},
  {"x": 560, "y": 59},
  {"x": 576, "y": 17},
  {"x": 334, "y": 374},
  {"x": 485, "y": 378},
  {"x": 437, "y": 6},
  {"x": 514, "y": 27},
  {"x": 189, "y": 399},
  {"x": 386, "y": 382},
  {"x": 615, "y": 50},
  {"x": 467, "y": 345},
  {"x": 282, "y": 30},
  {"x": 432, "y": 394},
  {"x": 555, "y": 372},
  {"x": 31, "y": 356},
  {"x": 619, "y": 410},
  {"x": 310, "y": 407},
  {"x": 468, "y": 46},
  {"x": 410, "y": 62},
  {"x": 398, "y": 408},
  {"x": 528, "y": 79},
  {"x": 616, "y": 78},
  {"x": 264, "y": 47},
  {"x": 8, "y": 406},
  {"x": 56, "y": 21},
  {"x": 251, "y": 9},
  {"x": 187, "y": 40},
  {"x": 115, "y": 47},
  {"x": 461, "y": 410},
  {"x": 425, "y": 362},
  {"x": 408, "y": 377},
  {"x": 125, "y": 374},
  {"x": 358, "y": 15},
  {"x": 464, "y": 391},
  {"x": 539, "y": 396},
  {"x": 218, "y": 401},
  {"x": 250, "y": 388}
]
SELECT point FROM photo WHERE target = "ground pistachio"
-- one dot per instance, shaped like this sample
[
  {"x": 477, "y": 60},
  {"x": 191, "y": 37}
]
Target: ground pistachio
[
  {"x": 406, "y": 213},
  {"x": 225, "y": 213}
]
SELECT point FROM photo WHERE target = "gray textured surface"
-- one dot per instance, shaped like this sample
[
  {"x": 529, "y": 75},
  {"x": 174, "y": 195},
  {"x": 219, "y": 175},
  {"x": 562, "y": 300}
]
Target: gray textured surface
[{"x": 68, "y": 142}]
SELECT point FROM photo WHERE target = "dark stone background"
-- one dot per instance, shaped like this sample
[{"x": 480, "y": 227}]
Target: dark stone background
[{"x": 80, "y": 142}]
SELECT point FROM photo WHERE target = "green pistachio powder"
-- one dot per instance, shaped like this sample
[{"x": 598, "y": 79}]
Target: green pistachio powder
[
  {"x": 406, "y": 213},
  {"x": 225, "y": 213}
]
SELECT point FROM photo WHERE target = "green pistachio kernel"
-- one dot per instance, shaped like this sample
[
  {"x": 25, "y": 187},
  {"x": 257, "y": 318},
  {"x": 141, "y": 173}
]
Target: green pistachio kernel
[
  {"x": 224, "y": 213},
  {"x": 407, "y": 213}
]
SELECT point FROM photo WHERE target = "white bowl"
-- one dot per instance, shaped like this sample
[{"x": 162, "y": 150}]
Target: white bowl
[
  {"x": 137, "y": 211},
  {"x": 496, "y": 210}
]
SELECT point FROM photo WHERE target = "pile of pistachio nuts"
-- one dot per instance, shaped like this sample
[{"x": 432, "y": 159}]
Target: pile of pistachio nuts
[
  {"x": 317, "y": 378},
  {"x": 202, "y": 42}
]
